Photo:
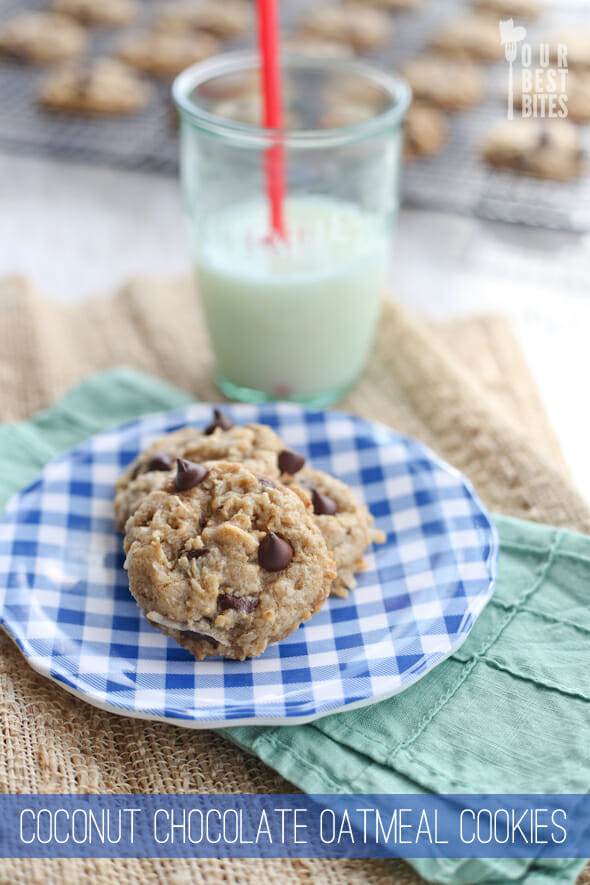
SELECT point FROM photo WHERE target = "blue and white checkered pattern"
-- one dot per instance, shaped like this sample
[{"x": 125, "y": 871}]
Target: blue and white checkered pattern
[{"x": 64, "y": 596}]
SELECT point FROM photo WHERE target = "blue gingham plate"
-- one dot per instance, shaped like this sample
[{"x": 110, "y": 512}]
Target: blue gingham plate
[{"x": 64, "y": 596}]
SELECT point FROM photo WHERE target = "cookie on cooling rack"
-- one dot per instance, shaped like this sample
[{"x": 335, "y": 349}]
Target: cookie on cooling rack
[
  {"x": 316, "y": 47},
  {"x": 42, "y": 38},
  {"x": 105, "y": 13},
  {"x": 509, "y": 8},
  {"x": 391, "y": 5},
  {"x": 344, "y": 115},
  {"x": 366, "y": 29},
  {"x": 571, "y": 48},
  {"x": 576, "y": 91},
  {"x": 545, "y": 148},
  {"x": 450, "y": 84},
  {"x": 226, "y": 20},
  {"x": 469, "y": 36},
  {"x": 103, "y": 87},
  {"x": 426, "y": 130},
  {"x": 166, "y": 55}
]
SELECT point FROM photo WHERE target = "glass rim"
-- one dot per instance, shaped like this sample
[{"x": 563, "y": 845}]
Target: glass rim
[{"x": 234, "y": 62}]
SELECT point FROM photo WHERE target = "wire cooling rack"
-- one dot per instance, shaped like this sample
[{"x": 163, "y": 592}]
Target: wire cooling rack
[{"x": 453, "y": 180}]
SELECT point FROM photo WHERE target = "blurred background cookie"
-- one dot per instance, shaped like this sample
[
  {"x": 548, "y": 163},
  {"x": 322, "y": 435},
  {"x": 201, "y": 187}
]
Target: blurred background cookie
[
  {"x": 576, "y": 42},
  {"x": 316, "y": 47},
  {"x": 541, "y": 147},
  {"x": 576, "y": 96},
  {"x": 392, "y": 5},
  {"x": 230, "y": 86},
  {"x": 452, "y": 84},
  {"x": 469, "y": 36},
  {"x": 42, "y": 37},
  {"x": 166, "y": 55},
  {"x": 225, "y": 19},
  {"x": 426, "y": 130},
  {"x": 337, "y": 115},
  {"x": 349, "y": 89},
  {"x": 106, "y": 86},
  {"x": 364, "y": 28},
  {"x": 505, "y": 8},
  {"x": 109, "y": 13},
  {"x": 248, "y": 109},
  {"x": 349, "y": 100}
]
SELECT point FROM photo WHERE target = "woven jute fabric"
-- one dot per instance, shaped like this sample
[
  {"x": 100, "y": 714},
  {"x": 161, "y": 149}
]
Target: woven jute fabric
[{"x": 461, "y": 387}]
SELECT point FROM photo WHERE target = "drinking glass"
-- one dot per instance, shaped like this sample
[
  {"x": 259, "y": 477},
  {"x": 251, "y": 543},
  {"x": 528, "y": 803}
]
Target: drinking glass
[{"x": 291, "y": 312}]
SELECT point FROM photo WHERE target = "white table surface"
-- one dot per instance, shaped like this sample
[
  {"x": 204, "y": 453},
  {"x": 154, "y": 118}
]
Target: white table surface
[{"x": 81, "y": 230}]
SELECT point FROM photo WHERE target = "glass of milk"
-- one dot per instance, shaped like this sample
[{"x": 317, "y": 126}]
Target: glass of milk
[{"x": 294, "y": 316}]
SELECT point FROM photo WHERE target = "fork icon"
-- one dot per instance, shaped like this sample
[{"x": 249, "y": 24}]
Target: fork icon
[{"x": 510, "y": 36}]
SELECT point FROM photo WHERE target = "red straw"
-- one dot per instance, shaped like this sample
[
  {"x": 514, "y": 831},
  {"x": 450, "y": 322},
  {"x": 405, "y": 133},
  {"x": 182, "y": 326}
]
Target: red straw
[{"x": 268, "y": 36}]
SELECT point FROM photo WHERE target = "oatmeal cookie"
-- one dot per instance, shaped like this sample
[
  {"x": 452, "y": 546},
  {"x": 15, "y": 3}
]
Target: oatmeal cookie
[
  {"x": 365, "y": 29},
  {"x": 391, "y": 5},
  {"x": 42, "y": 38},
  {"x": 166, "y": 55},
  {"x": 355, "y": 90},
  {"x": 545, "y": 148},
  {"x": 509, "y": 8},
  {"x": 232, "y": 85},
  {"x": 344, "y": 115},
  {"x": 316, "y": 47},
  {"x": 227, "y": 19},
  {"x": 107, "y": 13},
  {"x": 575, "y": 44},
  {"x": 254, "y": 445},
  {"x": 225, "y": 562},
  {"x": 346, "y": 524},
  {"x": 106, "y": 86},
  {"x": 248, "y": 109},
  {"x": 577, "y": 91},
  {"x": 470, "y": 36},
  {"x": 445, "y": 82},
  {"x": 425, "y": 131}
]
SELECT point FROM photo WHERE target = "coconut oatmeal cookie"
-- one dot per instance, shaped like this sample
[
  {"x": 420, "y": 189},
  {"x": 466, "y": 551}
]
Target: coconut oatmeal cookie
[
  {"x": 346, "y": 524},
  {"x": 42, "y": 38},
  {"x": 105, "y": 86},
  {"x": 226, "y": 562},
  {"x": 254, "y": 445}
]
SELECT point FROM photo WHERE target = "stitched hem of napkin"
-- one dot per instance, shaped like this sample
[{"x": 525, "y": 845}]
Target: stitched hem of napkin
[
  {"x": 280, "y": 755},
  {"x": 545, "y": 616},
  {"x": 340, "y": 727}
]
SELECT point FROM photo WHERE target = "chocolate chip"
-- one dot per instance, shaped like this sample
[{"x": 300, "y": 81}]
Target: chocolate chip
[
  {"x": 196, "y": 553},
  {"x": 243, "y": 604},
  {"x": 158, "y": 462},
  {"x": 220, "y": 420},
  {"x": 266, "y": 482},
  {"x": 200, "y": 637},
  {"x": 290, "y": 462},
  {"x": 274, "y": 553},
  {"x": 322, "y": 505},
  {"x": 189, "y": 474}
]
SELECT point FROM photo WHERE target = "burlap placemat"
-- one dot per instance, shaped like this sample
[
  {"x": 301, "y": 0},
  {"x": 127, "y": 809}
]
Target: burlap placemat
[{"x": 462, "y": 387}]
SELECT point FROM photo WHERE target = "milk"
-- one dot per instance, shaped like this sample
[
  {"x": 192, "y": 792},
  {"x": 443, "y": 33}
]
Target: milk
[{"x": 292, "y": 319}]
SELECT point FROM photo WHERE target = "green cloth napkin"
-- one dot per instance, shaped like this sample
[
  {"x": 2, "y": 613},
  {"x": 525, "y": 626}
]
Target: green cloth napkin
[{"x": 509, "y": 712}]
